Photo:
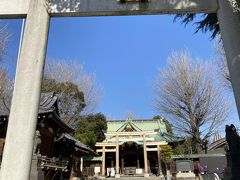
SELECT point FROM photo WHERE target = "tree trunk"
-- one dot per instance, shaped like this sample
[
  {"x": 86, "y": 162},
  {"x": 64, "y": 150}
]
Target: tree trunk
[{"x": 196, "y": 143}]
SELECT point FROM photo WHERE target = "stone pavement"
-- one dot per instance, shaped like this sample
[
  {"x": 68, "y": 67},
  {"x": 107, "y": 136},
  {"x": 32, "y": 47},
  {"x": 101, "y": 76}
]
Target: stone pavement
[
  {"x": 135, "y": 178},
  {"x": 146, "y": 178}
]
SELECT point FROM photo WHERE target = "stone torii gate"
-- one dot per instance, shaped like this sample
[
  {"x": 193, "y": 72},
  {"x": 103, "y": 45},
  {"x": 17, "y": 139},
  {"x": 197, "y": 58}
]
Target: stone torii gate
[{"x": 17, "y": 154}]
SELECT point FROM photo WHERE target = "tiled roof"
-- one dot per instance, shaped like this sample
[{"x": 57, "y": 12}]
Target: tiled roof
[
  {"x": 217, "y": 144},
  {"x": 76, "y": 142},
  {"x": 138, "y": 125},
  {"x": 155, "y": 125},
  {"x": 92, "y": 158},
  {"x": 168, "y": 137},
  {"x": 47, "y": 104}
]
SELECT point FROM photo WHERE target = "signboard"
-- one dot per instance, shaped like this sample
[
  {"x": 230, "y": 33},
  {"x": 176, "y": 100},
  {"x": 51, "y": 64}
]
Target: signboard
[
  {"x": 96, "y": 170},
  {"x": 184, "y": 165},
  {"x": 139, "y": 171}
]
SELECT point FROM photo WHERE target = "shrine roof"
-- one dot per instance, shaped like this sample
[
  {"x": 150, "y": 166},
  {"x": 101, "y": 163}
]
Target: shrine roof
[
  {"x": 75, "y": 142},
  {"x": 92, "y": 158},
  {"x": 168, "y": 137},
  {"x": 137, "y": 125},
  {"x": 154, "y": 125},
  {"x": 149, "y": 138},
  {"x": 48, "y": 103},
  {"x": 217, "y": 144}
]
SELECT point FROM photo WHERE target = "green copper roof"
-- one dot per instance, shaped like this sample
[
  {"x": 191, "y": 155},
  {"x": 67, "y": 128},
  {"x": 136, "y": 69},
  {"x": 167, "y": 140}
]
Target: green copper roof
[
  {"x": 137, "y": 125},
  {"x": 168, "y": 137},
  {"x": 92, "y": 158}
]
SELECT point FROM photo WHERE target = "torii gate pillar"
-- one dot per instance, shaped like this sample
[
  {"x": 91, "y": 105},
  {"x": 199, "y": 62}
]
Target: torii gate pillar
[
  {"x": 16, "y": 162},
  {"x": 229, "y": 22}
]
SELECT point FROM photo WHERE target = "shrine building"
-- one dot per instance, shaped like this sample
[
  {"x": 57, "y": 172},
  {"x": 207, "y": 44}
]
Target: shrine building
[
  {"x": 132, "y": 147},
  {"x": 57, "y": 154}
]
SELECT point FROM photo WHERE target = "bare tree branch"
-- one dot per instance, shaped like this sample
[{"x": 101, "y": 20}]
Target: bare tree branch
[
  {"x": 6, "y": 88},
  {"x": 4, "y": 36},
  {"x": 222, "y": 64},
  {"x": 70, "y": 71}
]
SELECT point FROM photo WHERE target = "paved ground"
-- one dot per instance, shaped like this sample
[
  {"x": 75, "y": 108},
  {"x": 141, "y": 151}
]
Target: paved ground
[
  {"x": 148, "y": 178},
  {"x": 135, "y": 178}
]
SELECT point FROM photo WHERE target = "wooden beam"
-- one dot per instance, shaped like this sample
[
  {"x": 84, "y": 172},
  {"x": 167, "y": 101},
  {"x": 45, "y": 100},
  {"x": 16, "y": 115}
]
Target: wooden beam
[
  {"x": 70, "y": 8},
  {"x": 106, "y": 150},
  {"x": 134, "y": 133},
  {"x": 156, "y": 143},
  {"x": 152, "y": 149},
  {"x": 106, "y": 144},
  {"x": 113, "y": 144}
]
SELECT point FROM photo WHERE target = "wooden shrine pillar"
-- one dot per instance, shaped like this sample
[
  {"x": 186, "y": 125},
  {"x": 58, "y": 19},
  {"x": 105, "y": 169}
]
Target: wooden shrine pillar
[
  {"x": 138, "y": 161},
  {"x": 117, "y": 157},
  {"x": 122, "y": 164},
  {"x": 149, "y": 166},
  {"x": 103, "y": 161},
  {"x": 145, "y": 157},
  {"x": 159, "y": 161}
]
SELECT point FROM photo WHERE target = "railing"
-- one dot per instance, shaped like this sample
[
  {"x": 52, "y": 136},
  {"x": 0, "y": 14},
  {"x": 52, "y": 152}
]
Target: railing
[{"x": 53, "y": 164}]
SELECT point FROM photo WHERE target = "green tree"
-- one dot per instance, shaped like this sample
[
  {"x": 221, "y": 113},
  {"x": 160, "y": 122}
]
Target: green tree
[
  {"x": 207, "y": 22},
  {"x": 90, "y": 129},
  {"x": 184, "y": 148},
  {"x": 166, "y": 154},
  {"x": 71, "y": 99}
]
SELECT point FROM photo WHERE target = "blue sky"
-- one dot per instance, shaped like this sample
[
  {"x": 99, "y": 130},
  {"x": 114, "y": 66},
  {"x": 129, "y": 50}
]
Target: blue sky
[{"x": 124, "y": 53}]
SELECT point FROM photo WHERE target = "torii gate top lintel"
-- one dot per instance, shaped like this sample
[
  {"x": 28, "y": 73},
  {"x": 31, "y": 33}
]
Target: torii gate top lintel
[{"x": 61, "y": 8}]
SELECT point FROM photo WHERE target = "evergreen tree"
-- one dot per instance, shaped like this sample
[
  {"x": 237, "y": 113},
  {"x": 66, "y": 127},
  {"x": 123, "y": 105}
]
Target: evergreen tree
[{"x": 90, "y": 129}]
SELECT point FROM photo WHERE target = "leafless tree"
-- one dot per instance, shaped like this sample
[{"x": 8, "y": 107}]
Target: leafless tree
[
  {"x": 3, "y": 81},
  {"x": 4, "y": 36},
  {"x": 186, "y": 93},
  {"x": 131, "y": 115},
  {"x": 6, "y": 84},
  {"x": 221, "y": 61},
  {"x": 6, "y": 88},
  {"x": 71, "y": 71}
]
